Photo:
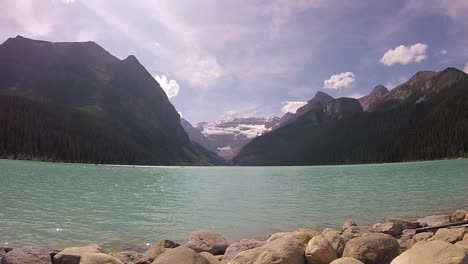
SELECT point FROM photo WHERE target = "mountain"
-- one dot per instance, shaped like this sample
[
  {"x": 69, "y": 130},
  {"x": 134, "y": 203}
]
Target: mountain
[
  {"x": 320, "y": 100},
  {"x": 227, "y": 137},
  {"x": 423, "y": 119},
  {"x": 118, "y": 97},
  {"x": 378, "y": 92}
]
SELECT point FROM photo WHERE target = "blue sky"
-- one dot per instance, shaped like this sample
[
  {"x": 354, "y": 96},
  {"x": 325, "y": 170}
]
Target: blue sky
[{"x": 237, "y": 58}]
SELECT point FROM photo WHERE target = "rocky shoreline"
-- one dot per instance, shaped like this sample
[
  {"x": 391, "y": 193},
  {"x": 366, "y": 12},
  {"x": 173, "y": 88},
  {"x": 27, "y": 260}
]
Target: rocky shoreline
[{"x": 396, "y": 241}]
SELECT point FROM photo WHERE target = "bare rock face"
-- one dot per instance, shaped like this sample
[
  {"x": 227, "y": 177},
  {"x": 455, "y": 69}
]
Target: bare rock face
[
  {"x": 28, "y": 255},
  {"x": 319, "y": 251},
  {"x": 405, "y": 224},
  {"x": 373, "y": 248},
  {"x": 346, "y": 260},
  {"x": 433, "y": 252},
  {"x": 378, "y": 92},
  {"x": 286, "y": 250},
  {"x": 207, "y": 241},
  {"x": 450, "y": 235},
  {"x": 240, "y": 246},
  {"x": 389, "y": 228},
  {"x": 99, "y": 258},
  {"x": 72, "y": 255},
  {"x": 343, "y": 107},
  {"x": 181, "y": 255},
  {"x": 434, "y": 220}
]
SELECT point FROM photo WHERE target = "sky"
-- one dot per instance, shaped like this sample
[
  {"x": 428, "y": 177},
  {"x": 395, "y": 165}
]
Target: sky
[{"x": 219, "y": 59}]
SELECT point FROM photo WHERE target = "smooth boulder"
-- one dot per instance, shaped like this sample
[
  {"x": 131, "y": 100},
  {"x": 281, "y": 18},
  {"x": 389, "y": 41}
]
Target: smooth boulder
[
  {"x": 207, "y": 241},
  {"x": 389, "y": 228},
  {"x": 450, "y": 235},
  {"x": 286, "y": 250},
  {"x": 337, "y": 241},
  {"x": 433, "y": 252},
  {"x": 72, "y": 255},
  {"x": 373, "y": 248},
  {"x": 346, "y": 260},
  {"x": 181, "y": 255},
  {"x": 240, "y": 246},
  {"x": 99, "y": 258},
  {"x": 28, "y": 255},
  {"x": 210, "y": 257},
  {"x": 434, "y": 220},
  {"x": 463, "y": 244},
  {"x": 319, "y": 251}
]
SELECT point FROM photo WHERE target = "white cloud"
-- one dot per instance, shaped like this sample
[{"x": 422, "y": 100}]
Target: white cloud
[
  {"x": 171, "y": 87},
  {"x": 292, "y": 106},
  {"x": 339, "y": 81},
  {"x": 466, "y": 68},
  {"x": 355, "y": 95},
  {"x": 395, "y": 82},
  {"x": 68, "y": 1},
  {"x": 405, "y": 55},
  {"x": 443, "y": 52}
]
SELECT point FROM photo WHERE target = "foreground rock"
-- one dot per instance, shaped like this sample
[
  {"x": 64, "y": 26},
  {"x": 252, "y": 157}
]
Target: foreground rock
[
  {"x": 337, "y": 241},
  {"x": 374, "y": 248},
  {"x": 28, "y": 255},
  {"x": 99, "y": 258},
  {"x": 181, "y": 255},
  {"x": 131, "y": 257},
  {"x": 207, "y": 241},
  {"x": 463, "y": 244},
  {"x": 210, "y": 257},
  {"x": 286, "y": 250},
  {"x": 434, "y": 220},
  {"x": 72, "y": 255},
  {"x": 319, "y": 251},
  {"x": 2, "y": 253},
  {"x": 346, "y": 260},
  {"x": 389, "y": 228},
  {"x": 450, "y": 235},
  {"x": 433, "y": 252},
  {"x": 240, "y": 246}
]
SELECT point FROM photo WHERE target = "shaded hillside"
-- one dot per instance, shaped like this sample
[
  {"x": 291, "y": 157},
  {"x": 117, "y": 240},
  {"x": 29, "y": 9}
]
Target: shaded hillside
[
  {"x": 121, "y": 93},
  {"x": 428, "y": 122}
]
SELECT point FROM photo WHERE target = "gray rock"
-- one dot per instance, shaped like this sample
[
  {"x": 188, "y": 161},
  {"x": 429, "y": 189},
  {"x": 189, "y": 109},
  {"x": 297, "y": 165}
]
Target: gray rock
[
  {"x": 72, "y": 255},
  {"x": 181, "y": 255},
  {"x": 434, "y": 220},
  {"x": 240, "y": 246},
  {"x": 347, "y": 224},
  {"x": 28, "y": 255},
  {"x": 286, "y": 250},
  {"x": 405, "y": 224},
  {"x": 450, "y": 235},
  {"x": 207, "y": 241},
  {"x": 373, "y": 248},
  {"x": 319, "y": 251},
  {"x": 433, "y": 252},
  {"x": 389, "y": 228},
  {"x": 346, "y": 260},
  {"x": 99, "y": 258},
  {"x": 337, "y": 241}
]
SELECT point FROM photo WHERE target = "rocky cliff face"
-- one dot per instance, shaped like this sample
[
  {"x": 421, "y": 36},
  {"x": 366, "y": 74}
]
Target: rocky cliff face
[
  {"x": 85, "y": 77},
  {"x": 378, "y": 92}
]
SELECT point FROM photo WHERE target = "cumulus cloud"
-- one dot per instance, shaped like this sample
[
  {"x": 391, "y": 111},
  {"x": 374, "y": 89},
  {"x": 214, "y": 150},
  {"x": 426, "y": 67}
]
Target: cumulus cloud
[
  {"x": 339, "y": 81},
  {"x": 466, "y": 68},
  {"x": 292, "y": 106},
  {"x": 171, "y": 87},
  {"x": 405, "y": 55},
  {"x": 443, "y": 52}
]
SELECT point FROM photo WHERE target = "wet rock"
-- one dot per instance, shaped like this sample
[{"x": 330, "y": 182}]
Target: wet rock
[
  {"x": 373, "y": 248},
  {"x": 432, "y": 252},
  {"x": 99, "y": 258},
  {"x": 346, "y": 260},
  {"x": 389, "y": 228},
  {"x": 157, "y": 249},
  {"x": 450, "y": 235},
  {"x": 405, "y": 224},
  {"x": 240, "y": 246},
  {"x": 286, "y": 250},
  {"x": 319, "y": 251},
  {"x": 434, "y": 220},
  {"x": 166, "y": 244},
  {"x": 207, "y": 241},
  {"x": 347, "y": 224},
  {"x": 72, "y": 255},
  {"x": 28, "y": 255},
  {"x": 181, "y": 255}
]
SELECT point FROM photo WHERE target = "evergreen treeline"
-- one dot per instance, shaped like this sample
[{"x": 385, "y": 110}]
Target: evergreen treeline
[
  {"x": 434, "y": 129},
  {"x": 44, "y": 131}
]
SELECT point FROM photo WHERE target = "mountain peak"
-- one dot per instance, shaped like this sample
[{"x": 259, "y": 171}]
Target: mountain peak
[
  {"x": 132, "y": 59},
  {"x": 379, "y": 90},
  {"x": 23, "y": 40}
]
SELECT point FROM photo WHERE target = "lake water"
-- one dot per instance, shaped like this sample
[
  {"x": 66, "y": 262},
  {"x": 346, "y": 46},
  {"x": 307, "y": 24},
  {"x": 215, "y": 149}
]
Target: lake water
[{"x": 58, "y": 205}]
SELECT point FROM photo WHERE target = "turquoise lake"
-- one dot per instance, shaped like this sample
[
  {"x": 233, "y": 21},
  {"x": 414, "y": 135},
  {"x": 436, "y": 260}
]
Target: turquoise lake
[{"x": 58, "y": 205}]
